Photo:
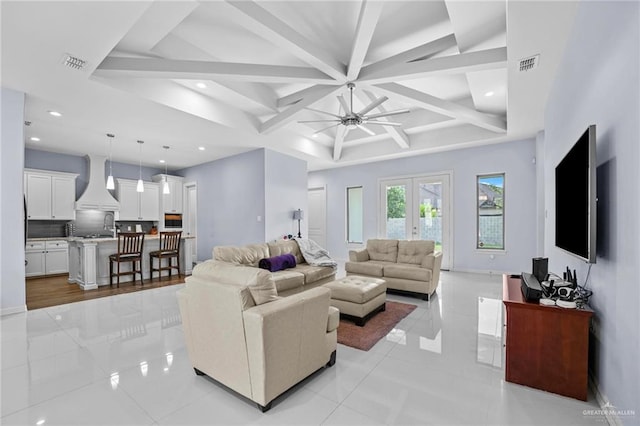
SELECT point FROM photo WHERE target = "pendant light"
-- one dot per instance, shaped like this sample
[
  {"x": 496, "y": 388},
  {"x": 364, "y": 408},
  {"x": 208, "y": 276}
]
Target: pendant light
[
  {"x": 140, "y": 186},
  {"x": 165, "y": 185},
  {"x": 110, "y": 183}
]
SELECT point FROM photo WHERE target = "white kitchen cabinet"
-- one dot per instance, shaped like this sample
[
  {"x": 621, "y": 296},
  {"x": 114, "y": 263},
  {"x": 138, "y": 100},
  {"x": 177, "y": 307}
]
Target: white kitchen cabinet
[
  {"x": 50, "y": 195},
  {"x": 171, "y": 202},
  {"x": 34, "y": 254},
  {"x": 46, "y": 258},
  {"x": 138, "y": 205}
]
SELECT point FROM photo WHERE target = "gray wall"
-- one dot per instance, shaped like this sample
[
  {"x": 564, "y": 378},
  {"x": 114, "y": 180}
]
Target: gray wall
[
  {"x": 234, "y": 191},
  {"x": 286, "y": 191},
  {"x": 598, "y": 83},
  {"x": 230, "y": 198},
  {"x": 12, "y": 281},
  {"x": 514, "y": 159}
]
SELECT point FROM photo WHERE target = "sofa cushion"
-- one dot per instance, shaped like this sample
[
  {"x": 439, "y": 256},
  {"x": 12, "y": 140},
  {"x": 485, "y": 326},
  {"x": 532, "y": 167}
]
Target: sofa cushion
[
  {"x": 407, "y": 271},
  {"x": 246, "y": 255},
  {"x": 356, "y": 289},
  {"x": 385, "y": 250},
  {"x": 288, "y": 279},
  {"x": 283, "y": 247},
  {"x": 259, "y": 282},
  {"x": 414, "y": 252},
  {"x": 372, "y": 268},
  {"x": 314, "y": 273}
]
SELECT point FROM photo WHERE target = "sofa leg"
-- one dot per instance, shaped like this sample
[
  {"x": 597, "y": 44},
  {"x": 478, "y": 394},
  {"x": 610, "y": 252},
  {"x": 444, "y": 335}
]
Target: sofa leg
[
  {"x": 332, "y": 359},
  {"x": 265, "y": 408},
  {"x": 198, "y": 372},
  {"x": 426, "y": 297}
]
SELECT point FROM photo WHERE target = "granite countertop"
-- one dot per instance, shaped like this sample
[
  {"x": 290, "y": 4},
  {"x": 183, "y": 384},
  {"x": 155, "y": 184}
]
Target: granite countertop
[{"x": 47, "y": 239}]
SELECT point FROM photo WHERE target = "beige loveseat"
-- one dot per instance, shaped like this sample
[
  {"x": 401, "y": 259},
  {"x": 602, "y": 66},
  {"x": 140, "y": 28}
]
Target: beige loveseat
[
  {"x": 288, "y": 282},
  {"x": 244, "y": 336},
  {"x": 410, "y": 266}
]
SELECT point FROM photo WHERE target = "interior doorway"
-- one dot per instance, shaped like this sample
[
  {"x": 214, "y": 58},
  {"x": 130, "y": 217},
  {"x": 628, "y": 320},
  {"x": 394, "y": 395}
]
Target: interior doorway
[
  {"x": 191, "y": 215},
  {"x": 317, "y": 222}
]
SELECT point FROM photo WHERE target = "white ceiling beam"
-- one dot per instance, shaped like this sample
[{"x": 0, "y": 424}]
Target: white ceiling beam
[
  {"x": 444, "y": 107},
  {"x": 183, "y": 69},
  {"x": 157, "y": 22},
  {"x": 300, "y": 94},
  {"x": 446, "y": 65},
  {"x": 259, "y": 21},
  {"x": 283, "y": 118},
  {"x": 337, "y": 146},
  {"x": 416, "y": 53},
  {"x": 397, "y": 134},
  {"x": 367, "y": 21}
]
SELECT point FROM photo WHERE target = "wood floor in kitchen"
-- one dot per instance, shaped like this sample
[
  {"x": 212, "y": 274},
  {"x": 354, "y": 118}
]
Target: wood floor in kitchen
[{"x": 55, "y": 290}]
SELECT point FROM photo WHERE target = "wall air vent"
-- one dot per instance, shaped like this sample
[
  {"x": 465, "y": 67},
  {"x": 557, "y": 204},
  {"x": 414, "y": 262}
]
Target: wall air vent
[
  {"x": 73, "y": 62},
  {"x": 529, "y": 63}
]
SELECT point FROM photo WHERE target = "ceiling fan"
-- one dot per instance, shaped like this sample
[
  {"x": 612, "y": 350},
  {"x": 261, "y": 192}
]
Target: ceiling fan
[{"x": 352, "y": 120}]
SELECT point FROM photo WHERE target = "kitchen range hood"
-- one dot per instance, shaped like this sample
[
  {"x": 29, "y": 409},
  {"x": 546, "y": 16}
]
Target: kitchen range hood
[{"x": 96, "y": 196}]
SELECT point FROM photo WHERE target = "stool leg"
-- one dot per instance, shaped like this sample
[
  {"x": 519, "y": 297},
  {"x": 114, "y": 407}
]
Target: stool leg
[
  {"x": 110, "y": 272},
  {"x": 169, "y": 263},
  {"x": 150, "y": 267},
  {"x": 178, "y": 259},
  {"x": 118, "y": 278}
]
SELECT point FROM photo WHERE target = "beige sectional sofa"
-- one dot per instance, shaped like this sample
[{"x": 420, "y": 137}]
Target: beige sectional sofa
[
  {"x": 241, "y": 334},
  {"x": 409, "y": 266},
  {"x": 290, "y": 281}
]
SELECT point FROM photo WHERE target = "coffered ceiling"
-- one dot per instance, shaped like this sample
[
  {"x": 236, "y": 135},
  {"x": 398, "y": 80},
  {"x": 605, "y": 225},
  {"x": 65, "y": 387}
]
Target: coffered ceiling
[{"x": 231, "y": 76}]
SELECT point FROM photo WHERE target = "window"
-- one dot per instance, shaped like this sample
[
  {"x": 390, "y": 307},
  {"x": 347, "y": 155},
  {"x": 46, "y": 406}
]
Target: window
[
  {"x": 354, "y": 215},
  {"x": 490, "y": 212}
]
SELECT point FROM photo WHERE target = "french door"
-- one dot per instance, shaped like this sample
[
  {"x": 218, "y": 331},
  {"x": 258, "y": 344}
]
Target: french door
[{"x": 418, "y": 208}]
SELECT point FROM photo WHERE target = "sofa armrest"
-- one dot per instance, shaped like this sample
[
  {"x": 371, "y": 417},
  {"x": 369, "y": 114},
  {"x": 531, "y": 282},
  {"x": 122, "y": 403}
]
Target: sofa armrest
[
  {"x": 334, "y": 319},
  {"x": 358, "y": 255},
  {"x": 286, "y": 341}
]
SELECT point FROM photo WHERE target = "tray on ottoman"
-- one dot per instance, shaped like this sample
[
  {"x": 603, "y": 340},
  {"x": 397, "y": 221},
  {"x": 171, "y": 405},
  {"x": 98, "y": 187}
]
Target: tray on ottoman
[{"x": 358, "y": 298}]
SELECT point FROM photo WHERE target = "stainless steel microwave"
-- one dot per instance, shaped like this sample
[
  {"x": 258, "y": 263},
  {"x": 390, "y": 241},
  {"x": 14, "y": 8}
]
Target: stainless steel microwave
[{"x": 173, "y": 221}]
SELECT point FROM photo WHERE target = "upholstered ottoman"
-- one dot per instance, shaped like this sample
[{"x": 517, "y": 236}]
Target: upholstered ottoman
[{"x": 358, "y": 298}]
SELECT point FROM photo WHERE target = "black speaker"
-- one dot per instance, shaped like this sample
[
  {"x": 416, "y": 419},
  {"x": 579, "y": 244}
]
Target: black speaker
[{"x": 540, "y": 268}]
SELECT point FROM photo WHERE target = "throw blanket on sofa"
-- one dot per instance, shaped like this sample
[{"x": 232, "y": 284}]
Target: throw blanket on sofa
[
  {"x": 278, "y": 263},
  {"x": 314, "y": 254}
]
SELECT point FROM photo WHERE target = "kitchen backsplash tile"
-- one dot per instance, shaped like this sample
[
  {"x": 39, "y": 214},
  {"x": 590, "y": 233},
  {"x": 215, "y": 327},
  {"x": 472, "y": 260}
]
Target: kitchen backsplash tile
[
  {"x": 88, "y": 222},
  {"x": 46, "y": 228}
]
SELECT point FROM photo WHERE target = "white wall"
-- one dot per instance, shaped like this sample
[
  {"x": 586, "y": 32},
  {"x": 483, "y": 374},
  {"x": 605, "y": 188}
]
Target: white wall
[
  {"x": 285, "y": 191},
  {"x": 513, "y": 158},
  {"x": 599, "y": 83},
  {"x": 12, "y": 280}
]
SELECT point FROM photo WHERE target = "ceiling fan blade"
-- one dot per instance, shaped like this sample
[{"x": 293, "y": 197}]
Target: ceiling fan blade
[
  {"x": 344, "y": 104},
  {"x": 382, "y": 123},
  {"x": 364, "y": 129},
  {"x": 385, "y": 114},
  {"x": 324, "y": 112},
  {"x": 320, "y": 121},
  {"x": 326, "y": 128},
  {"x": 373, "y": 105}
]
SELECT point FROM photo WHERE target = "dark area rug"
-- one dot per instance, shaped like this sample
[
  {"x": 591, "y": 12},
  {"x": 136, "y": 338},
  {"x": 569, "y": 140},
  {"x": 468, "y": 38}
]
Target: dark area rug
[{"x": 376, "y": 328}]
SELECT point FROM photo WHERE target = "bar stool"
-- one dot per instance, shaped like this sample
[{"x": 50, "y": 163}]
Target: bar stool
[
  {"x": 129, "y": 250},
  {"x": 169, "y": 248}
]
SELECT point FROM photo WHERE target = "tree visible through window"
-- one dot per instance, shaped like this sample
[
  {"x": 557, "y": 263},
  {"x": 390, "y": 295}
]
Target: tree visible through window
[{"x": 490, "y": 214}]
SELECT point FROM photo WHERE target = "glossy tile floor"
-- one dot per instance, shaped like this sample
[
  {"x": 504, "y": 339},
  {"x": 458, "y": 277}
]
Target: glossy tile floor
[{"x": 121, "y": 360}]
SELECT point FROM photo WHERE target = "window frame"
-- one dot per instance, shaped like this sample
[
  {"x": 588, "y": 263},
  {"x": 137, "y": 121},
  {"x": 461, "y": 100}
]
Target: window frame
[
  {"x": 349, "y": 214},
  {"x": 479, "y": 246}
]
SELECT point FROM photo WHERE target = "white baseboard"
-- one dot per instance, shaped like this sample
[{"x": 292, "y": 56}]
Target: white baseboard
[
  {"x": 606, "y": 408},
  {"x": 13, "y": 310}
]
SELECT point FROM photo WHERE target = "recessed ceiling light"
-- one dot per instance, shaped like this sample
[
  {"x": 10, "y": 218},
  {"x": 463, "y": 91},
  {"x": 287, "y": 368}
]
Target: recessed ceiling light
[
  {"x": 315, "y": 135},
  {"x": 34, "y": 138},
  {"x": 55, "y": 113},
  {"x": 201, "y": 148},
  {"x": 201, "y": 85},
  {"x": 488, "y": 94},
  {"x": 162, "y": 161}
]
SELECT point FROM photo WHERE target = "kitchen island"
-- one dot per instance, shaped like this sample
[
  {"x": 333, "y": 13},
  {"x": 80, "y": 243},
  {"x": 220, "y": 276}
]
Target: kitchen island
[{"x": 89, "y": 259}]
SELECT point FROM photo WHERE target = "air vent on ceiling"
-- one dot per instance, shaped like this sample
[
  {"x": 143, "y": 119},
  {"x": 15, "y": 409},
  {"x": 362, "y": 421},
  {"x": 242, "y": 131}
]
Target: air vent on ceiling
[
  {"x": 73, "y": 62},
  {"x": 529, "y": 63}
]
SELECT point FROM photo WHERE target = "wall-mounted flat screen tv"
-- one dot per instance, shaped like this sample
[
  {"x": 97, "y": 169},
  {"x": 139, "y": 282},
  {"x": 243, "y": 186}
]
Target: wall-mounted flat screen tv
[{"x": 576, "y": 198}]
